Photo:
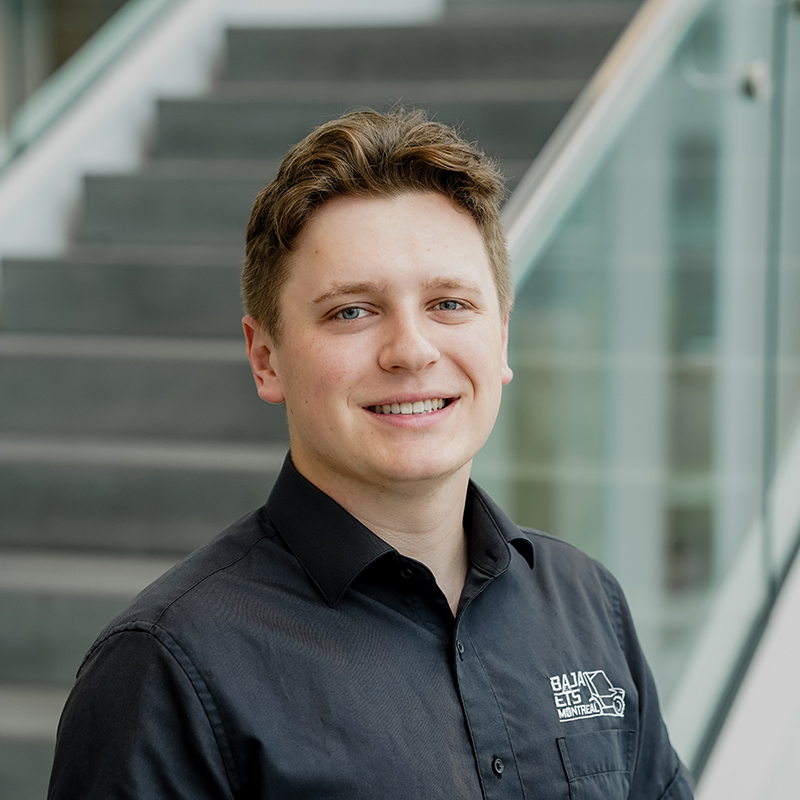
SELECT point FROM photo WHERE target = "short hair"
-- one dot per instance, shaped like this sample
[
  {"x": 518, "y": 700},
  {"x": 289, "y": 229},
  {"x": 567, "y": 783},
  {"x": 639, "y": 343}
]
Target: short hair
[{"x": 367, "y": 154}]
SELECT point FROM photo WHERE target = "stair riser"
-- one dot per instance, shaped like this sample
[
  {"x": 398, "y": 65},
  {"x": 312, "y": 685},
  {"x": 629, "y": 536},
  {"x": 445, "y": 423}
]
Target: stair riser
[
  {"x": 122, "y": 509},
  {"x": 44, "y": 637},
  {"x": 458, "y": 53},
  {"x": 137, "y": 209},
  {"x": 141, "y": 208},
  {"x": 159, "y": 398},
  {"x": 121, "y": 299},
  {"x": 250, "y": 129},
  {"x": 25, "y": 768}
]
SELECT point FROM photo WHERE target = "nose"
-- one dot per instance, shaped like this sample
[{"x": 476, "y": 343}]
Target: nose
[{"x": 407, "y": 345}]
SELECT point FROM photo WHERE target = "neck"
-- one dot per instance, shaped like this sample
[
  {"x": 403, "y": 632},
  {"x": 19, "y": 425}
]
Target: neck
[
  {"x": 423, "y": 522},
  {"x": 429, "y": 530}
]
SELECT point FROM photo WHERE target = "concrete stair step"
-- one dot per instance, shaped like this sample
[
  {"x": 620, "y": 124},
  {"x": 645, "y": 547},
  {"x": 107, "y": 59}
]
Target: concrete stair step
[
  {"x": 193, "y": 201},
  {"x": 508, "y": 125},
  {"x": 53, "y": 605},
  {"x": 182, "y": 292},
  {"x": 554, "y": 45},
  {"x": 180, "y": 201},
  {"x": 113, "y": 495},
  {"x": 28, "y": 719},
  {"x": 384, "y": 92},
  {"x": 132, "y": 387}
]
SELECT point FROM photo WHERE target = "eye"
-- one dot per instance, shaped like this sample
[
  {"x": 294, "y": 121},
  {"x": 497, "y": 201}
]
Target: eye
[
  {"x": 351, "y": 312},
  {"x": 449, "y": 305}
]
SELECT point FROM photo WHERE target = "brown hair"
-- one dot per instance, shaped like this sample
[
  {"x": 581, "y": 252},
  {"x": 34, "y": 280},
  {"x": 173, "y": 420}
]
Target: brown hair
[{"x": 367, "y": 154}]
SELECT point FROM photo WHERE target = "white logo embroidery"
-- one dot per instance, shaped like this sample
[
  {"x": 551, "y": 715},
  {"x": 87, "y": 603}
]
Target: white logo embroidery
[{"x": 581, "y": 695}]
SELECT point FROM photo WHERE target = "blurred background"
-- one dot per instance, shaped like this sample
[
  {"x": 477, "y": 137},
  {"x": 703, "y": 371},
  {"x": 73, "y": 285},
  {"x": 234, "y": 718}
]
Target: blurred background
[{"x": 653, "y": 160}]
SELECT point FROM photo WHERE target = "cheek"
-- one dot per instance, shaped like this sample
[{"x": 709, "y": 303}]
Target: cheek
[
  {"x": 324, "y": 376},
  {"x": 483, "y": 359}
]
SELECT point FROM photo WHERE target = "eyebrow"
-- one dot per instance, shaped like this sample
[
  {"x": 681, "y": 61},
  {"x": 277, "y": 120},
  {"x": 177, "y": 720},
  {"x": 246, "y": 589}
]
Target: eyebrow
[
  {"x": 344, "y": 289},
  {"x": 453, "y": 284},
  {"x": 370, "y": 287}
]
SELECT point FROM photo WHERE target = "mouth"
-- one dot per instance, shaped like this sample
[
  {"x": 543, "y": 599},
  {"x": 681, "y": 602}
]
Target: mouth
[{"x": 417, "y": 407}]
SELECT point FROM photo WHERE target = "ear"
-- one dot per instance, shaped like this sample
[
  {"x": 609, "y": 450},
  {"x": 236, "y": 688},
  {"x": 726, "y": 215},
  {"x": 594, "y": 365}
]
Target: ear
[
  {"x": 506, "y": 372},
  {"x": 262, "y": 357}
]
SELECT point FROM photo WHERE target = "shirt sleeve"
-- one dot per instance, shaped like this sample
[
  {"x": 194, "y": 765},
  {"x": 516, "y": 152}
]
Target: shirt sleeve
[
  {"x": 135, "y": 726},
  {"x": 658, "y": 773}
]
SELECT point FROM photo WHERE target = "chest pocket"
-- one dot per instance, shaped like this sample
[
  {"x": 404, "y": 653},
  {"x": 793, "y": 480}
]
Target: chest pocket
[{"x": 598, "y": 764}]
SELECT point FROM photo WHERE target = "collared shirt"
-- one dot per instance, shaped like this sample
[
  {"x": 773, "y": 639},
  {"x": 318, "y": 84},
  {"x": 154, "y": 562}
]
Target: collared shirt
[{"x": 298, "y": 655}]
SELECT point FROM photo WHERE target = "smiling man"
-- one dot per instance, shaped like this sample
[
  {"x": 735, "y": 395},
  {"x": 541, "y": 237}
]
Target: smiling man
[
  {"x": 379, "y": 628},
  {"x": 390, "y": 357}
]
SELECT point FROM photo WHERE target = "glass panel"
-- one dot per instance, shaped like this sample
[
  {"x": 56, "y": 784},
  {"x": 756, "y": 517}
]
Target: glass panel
[
  {"x": 634, "y": 426},
  {"x": 785, "y": 498}
]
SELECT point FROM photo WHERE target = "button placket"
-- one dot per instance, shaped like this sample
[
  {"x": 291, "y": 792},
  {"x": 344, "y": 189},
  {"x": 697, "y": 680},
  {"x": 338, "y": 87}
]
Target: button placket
[{"x": 487, "y": 727}]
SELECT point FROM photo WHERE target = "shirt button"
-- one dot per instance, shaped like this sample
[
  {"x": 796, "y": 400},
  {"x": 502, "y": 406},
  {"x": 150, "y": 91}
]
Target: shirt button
[
  {"x": 460, "y": 647},
  {"x": 498, "y": 766},
  {"x": 406, "y": 572}
]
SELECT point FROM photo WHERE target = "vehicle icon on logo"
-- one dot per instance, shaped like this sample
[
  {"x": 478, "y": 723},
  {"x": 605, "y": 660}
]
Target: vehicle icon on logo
[{"x": 606, "y": 699}]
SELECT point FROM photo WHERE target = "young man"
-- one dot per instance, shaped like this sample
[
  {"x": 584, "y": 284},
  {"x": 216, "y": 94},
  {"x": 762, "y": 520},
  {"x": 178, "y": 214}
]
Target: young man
[{"x": 379, "y": 628}]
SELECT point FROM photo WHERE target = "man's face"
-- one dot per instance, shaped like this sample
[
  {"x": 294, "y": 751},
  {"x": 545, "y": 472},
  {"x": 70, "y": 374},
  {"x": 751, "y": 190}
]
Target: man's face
[{"x": 389, "y": 308}]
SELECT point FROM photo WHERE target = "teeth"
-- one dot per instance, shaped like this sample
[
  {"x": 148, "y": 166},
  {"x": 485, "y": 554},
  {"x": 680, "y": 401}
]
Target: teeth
[{"x": 418, "y": 407}]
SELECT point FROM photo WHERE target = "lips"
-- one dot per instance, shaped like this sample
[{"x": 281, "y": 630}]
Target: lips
[{"x": 407, "y": 408}]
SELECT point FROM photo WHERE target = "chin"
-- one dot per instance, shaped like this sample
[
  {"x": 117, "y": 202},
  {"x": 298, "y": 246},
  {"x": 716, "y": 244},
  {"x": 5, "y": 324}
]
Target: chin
[{"x": 414, "y": 471}]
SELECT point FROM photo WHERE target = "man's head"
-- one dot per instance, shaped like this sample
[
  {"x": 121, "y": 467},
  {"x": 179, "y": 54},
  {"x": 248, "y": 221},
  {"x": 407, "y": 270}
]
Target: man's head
[
  {"x": 377, "y": 286},
  {"x": 367, "y": 154}
]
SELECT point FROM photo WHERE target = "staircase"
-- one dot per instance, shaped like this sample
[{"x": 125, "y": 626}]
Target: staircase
[{"x": 130, "y": 431}]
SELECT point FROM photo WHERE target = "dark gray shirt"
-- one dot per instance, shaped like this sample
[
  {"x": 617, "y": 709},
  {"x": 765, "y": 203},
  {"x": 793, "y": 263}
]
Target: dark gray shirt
[{"x": 299, "y": 656}]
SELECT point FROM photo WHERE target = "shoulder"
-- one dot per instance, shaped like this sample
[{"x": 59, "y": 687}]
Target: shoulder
[
  {"x": 578, "y": 585},
  {"x": 178, "y": 605},
  {"x": 558, "y": 558},
  {"x": 555, "y": 571},
  {"x": 551, "y": 559}
]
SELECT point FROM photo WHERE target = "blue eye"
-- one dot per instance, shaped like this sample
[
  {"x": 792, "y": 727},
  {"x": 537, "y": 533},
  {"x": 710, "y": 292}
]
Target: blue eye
[
  {"x": 449, "y": 305},
  {"x": 353, "y": 312}
]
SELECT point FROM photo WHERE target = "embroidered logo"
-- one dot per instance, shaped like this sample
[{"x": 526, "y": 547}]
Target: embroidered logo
[{"x": 581, "y": 695}]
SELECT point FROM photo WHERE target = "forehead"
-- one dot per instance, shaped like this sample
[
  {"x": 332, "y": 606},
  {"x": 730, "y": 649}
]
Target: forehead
[{"x": 390, "y": 236}]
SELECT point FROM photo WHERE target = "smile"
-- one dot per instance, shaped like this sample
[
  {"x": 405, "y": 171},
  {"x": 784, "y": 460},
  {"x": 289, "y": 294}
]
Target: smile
[{"x": 418, "y": 407}]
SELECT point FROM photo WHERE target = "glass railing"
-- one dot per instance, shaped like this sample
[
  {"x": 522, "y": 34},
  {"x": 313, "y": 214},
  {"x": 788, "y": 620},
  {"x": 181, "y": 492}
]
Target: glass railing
[
  {"x": 32, "y": 99},
  {"x": 654, "y": 416}
]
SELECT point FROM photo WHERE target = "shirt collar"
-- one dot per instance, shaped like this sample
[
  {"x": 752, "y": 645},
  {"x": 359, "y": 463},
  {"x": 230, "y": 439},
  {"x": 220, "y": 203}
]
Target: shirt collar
[
  {"x": 334, "y": 547},
  {"x": 490, "y": 532}
]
